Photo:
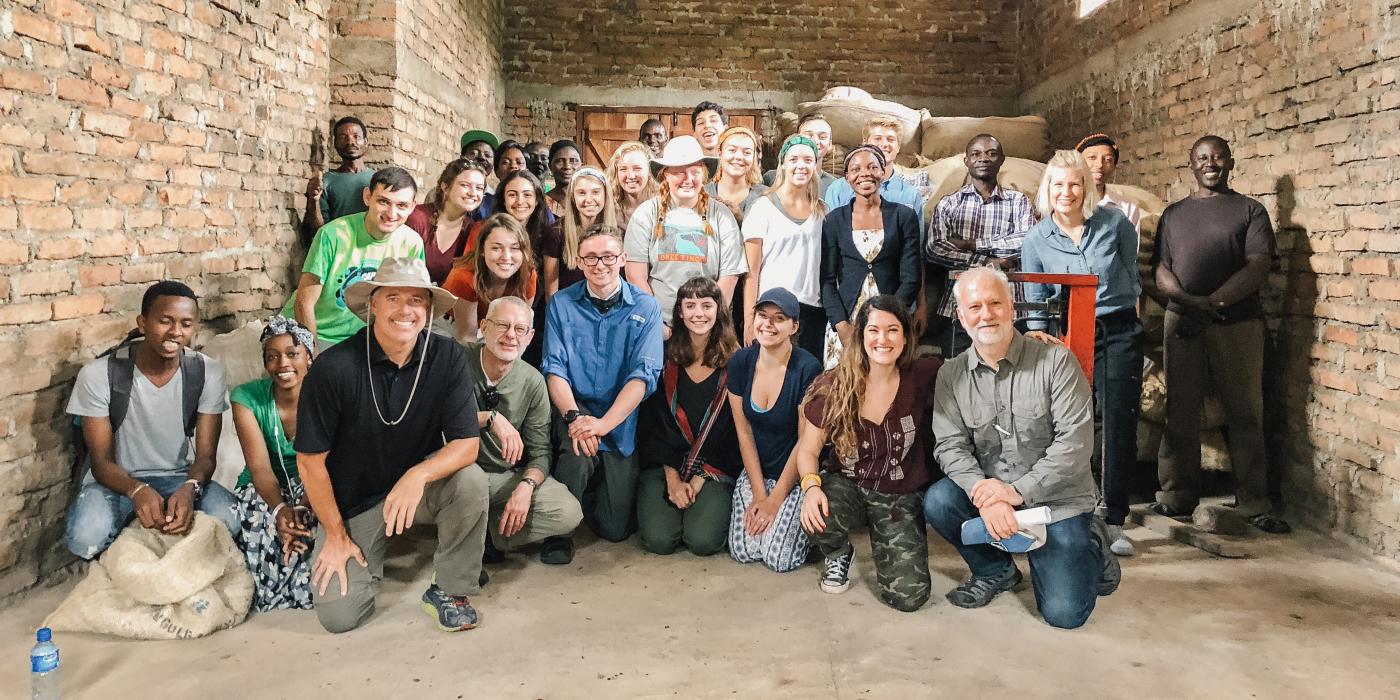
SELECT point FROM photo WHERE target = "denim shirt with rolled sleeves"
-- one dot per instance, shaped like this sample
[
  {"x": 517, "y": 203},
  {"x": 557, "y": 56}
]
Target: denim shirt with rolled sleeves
[{"x": 1028, "y": 421}]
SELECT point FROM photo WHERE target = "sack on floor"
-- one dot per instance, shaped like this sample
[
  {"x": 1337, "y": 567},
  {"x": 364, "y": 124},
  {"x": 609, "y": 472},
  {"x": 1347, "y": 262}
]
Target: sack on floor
[
  {"x": 149, "y": 585},
  {"x": 1020, "y": 137},
  {"x": 848, "y": 115}
]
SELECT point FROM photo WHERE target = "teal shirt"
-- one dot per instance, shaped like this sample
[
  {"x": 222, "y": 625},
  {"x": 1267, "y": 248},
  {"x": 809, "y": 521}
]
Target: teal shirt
[
  {"x": 256, "y": 396},
  {"x": 342, "y": 194}
]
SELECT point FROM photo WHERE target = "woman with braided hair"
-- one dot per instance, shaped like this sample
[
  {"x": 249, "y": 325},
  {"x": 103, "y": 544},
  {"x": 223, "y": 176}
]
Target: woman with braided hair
[
  {"x": 682, "y": 232},
  {"x": 275, "y": 520}
]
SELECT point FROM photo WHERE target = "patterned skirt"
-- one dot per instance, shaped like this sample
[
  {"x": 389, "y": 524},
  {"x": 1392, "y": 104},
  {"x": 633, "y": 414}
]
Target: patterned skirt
[{"x": 277, "y": 585}]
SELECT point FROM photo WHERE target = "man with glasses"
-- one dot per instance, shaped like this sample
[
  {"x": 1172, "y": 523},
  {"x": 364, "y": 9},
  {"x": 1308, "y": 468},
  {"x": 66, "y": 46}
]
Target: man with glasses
[
  {"x": 513, "y": 411},
  {"x": 597, "y": 375}
]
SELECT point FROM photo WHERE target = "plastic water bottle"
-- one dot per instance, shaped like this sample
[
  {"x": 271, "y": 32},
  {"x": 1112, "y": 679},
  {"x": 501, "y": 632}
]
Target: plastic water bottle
[{"x": 43, "y": 666}]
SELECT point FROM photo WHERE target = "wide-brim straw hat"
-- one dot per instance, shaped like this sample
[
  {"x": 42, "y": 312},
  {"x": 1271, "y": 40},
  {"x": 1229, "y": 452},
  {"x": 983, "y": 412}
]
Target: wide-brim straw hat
[
  {"x": 397, "y": 272},
  {"x": 680, "y": 152}
]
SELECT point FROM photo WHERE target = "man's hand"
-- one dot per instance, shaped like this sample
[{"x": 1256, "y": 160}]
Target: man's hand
[
  {"x": 150, "y": 508},
  {"x": 966, "y": 245},
  {"x": 402, "y": 503},
  {"x": 517, "y": 509},
  {"x": 761, "y": 514},
  {"x": 1006, "y": 264},
  {"x": 989, "y": 491},
  {"x": 1044, "y": 337},
  {"x": 1203, "y": 304},
  {"x": 587, "y": 447},
  {"x": 337, "y": 550},
  {"x": 314, "y": 187},
  {"x": 1000, "y": 519},
  {"x": 814, "y": 510},
  {"x": 179, "y": 510},
  {"x": 512, "y": 446},
  {"x": 587, "y": 427}
]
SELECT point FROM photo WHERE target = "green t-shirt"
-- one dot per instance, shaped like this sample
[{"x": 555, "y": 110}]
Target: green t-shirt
[
  {"x": 343, "y": 253},
  {"x": 342, "y": 194},
  {"x": 524, "y": 401},
  {"x": 257, "y": 397}
]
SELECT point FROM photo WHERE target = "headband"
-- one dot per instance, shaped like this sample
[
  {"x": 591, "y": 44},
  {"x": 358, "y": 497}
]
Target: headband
[
  {"x": 797, "y": 140},
  {"x": 281, "y": 325},
  {"x": 590, "y": 171},
  {"x": 865, "y": 148}
]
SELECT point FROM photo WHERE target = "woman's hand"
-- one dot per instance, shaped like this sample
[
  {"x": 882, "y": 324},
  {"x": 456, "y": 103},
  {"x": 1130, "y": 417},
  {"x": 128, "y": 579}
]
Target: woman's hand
[{"x": 814, "y": 510}]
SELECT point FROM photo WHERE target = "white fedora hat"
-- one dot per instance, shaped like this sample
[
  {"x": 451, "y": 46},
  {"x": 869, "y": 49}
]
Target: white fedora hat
[{"x": 680, "y": 152}]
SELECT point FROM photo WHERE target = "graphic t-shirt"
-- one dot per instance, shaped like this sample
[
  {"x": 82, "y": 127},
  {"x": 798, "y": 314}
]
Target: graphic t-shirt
[
  {"x": 343, "y": 253},
  {"x": 684, "y": 251}
]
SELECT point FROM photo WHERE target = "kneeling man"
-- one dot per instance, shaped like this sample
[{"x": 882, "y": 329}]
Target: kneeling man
[
  {"x": 1014, "y": 427},
  {"x": 386, "y": 438}
]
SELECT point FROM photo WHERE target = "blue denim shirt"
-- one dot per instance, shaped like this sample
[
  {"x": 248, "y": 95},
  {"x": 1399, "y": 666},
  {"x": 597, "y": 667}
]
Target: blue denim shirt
[
  {"x": 1108, "y": 249},
  {"x": 597, "y": 354},
  {"x": 896, "y": 190}
]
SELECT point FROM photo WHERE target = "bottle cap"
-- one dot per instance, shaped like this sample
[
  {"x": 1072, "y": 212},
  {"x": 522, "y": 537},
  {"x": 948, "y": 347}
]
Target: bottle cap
[{"x": 45, "y": 634}]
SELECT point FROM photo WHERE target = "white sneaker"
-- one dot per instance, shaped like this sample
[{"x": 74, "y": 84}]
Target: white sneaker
[{"x": 1119, "y": 544}]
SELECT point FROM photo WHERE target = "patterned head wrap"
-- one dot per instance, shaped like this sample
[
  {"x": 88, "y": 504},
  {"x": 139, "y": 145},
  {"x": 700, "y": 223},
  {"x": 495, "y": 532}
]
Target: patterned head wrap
[
  {"x": 281, "y": 325},
  {"x": 865, "y": 148},
  {"x": 797, "y": 140}
]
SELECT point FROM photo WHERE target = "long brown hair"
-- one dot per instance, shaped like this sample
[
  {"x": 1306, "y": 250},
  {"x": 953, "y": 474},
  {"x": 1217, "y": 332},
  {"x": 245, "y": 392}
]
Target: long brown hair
[
  {"x": 515, "y": 286},
  {"x": 438, "y": 197},
  {"x": 722, "y": 343},
  {"x": 845, "y": 391}
]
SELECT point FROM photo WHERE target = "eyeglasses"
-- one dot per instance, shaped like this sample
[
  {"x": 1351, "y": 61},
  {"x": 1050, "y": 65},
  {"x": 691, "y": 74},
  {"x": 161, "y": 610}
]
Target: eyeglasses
[
  {"x": 519, "y": 330},
  {"x": 608, "y": 259},
  {"x": 491, "y": 398}
]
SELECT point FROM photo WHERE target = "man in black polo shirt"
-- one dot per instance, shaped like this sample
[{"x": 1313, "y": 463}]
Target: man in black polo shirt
[{"x": 386, "y": 438}]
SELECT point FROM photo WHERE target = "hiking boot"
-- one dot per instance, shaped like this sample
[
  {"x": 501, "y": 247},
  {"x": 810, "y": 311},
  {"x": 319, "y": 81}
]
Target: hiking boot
[
  {"x": 1270, "y": 524},
  {"x": 977, "y": 591},
  {"x": 558, "y": 550},
  {"x": 1119, "y": 543},
  {"x": 837, "y": 577},
  {"x": 491, "y": 555},
  {"x": 453, "y": 613},
  {"x": 1112, "y": 573}
]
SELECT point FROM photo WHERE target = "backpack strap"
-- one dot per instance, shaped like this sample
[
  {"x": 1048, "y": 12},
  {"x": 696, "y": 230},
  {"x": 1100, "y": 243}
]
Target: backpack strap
[
  {"x": 192, "y": 365},
  {"x": 121, "y": 367}
]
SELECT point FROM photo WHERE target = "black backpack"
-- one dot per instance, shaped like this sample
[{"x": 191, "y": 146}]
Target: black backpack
[{"x": 121, "y": 372}]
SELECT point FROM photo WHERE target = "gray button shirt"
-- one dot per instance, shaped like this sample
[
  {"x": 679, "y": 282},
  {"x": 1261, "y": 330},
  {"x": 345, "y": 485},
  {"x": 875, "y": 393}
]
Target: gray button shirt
[{"x": 1029, "y": 422}]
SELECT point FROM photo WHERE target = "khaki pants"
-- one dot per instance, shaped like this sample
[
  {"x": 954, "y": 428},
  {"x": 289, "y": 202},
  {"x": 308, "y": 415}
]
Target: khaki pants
[
  {"x": 458, "y": 506},
  {"x": 1230, "y": 358},
  {"x": 553, "y": 510}
]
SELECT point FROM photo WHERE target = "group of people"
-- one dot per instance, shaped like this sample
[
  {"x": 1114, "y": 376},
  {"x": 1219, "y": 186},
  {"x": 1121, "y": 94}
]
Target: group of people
[{"x": 727, "y": 361}]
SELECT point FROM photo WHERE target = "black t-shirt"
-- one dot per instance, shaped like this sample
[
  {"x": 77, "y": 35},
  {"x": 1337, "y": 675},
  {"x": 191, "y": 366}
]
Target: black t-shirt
[
  {"x": 1204, "y": 241},
  {"x": 367, "y": 457},
  {"x": 552, "y": 245}
]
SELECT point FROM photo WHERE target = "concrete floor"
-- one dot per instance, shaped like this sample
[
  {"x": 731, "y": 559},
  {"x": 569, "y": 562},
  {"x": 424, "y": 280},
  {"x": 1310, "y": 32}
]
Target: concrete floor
[{"x": 1303, "y": 619}]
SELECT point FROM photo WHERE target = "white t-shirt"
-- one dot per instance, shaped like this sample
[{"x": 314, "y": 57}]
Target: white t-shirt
[
  {"x": 151, "y": 440},
  {"x": 683, "y": 251},
  {"x": 1129, "y": 209},
  {"x": 792, "y": 250}
]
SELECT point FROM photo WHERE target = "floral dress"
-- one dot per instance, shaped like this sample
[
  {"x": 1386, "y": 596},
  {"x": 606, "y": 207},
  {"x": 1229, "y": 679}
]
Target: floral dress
[{"x": 868, "y": 243}]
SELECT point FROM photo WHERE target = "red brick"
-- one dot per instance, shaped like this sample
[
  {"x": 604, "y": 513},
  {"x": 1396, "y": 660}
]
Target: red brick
[
  {"x": 149, "y": 272},
  {"x": 19, "y": 135},
  {"x": 84, "y": 91},
  {"x": 78, "y": 306},
  {"x": 109, "y": 124},
  {"x": 13, "y": 253},
  {"x": 1370, "y": 266},
  {"x": 60, "y": 248},
  {"x": 27, "y": 81},
  {"x": 69, "y": 12},
  {"x": 110, "y": 245},
  {"x": 1384, "y": 289},
  {"x": 99, "y": 275},
  {"x": 33, "y": 188},
  {"x": 36, "y": 27},
  {"x": 45, "y": 218},
  {"x": 53, "y": 282},
  {"x": 15, "y": 314}
]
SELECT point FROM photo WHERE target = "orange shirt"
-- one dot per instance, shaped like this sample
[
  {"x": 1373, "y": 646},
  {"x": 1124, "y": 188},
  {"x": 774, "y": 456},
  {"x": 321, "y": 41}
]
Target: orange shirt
[{"x": 462, "y": 283}]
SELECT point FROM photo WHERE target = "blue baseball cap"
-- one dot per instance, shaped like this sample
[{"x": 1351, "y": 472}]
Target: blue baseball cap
[{"x": 783, "y": 299}]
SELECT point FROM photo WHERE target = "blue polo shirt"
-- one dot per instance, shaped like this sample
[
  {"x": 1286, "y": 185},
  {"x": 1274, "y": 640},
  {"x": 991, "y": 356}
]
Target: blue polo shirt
[
  {"x": 1108, "y": 249},
  {"x": 597, "y": 354},
  {"x": 895, "y": 189}
]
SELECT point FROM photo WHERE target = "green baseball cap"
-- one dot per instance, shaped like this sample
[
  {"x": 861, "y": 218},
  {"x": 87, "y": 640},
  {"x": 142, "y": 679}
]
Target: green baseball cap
[{"x": 481, "y": 135}]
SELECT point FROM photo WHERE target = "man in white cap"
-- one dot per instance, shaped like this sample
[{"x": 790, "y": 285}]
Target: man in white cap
[{"x": 387, "y": 438}]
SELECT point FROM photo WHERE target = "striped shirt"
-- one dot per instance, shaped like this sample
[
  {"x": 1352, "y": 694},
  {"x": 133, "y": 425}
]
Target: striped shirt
[{"x": 997, "y": 226}]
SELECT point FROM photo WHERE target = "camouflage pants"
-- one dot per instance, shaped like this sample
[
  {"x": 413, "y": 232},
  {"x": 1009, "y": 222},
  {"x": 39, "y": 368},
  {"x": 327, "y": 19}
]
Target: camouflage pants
[{"x": 898, "y": 540}]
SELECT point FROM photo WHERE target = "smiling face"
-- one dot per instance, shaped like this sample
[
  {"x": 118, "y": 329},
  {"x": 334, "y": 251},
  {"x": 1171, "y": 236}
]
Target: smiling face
[
  {"x": 736, "y": 156},
  {"x": 708, "y": 126},
  {"x": 400, "y": 313},
  {"x": 983, "y": 159},
  {"x": 169, "y": 325},
  {"x": 772, "y": 327},
  {"x": 1211, "y": 165},
  {"x": 350, "y": 142},
  {"x": 592, "y": 252},
  {"x": 632, "y": 172},
  {"x": 1066, "y": 191},
  {"x": 864, "y": 173},
  {"x": 512, "y": 159},
  {"x": 819, "y": 131},
  {"x": 1102, "y": 163},
  {"x": 799, "y": 165},
  {"x": 885, "y": 138},
  {"x": 589, "y": 197},
  {"x": 501, "y": 250},
  {"x": 507, "y": 331},
  {"x": 519, "y": 199},
  {"x": 467, "y": 190},
  {"x": 481, "y": 152},
  {"x": 985, "y": 310},
  {"x": 654, "y": 136},
  {"x": 685, "y": 183},
  {"x": 564, "y": 164},
  {"x": 285, "y": 361},
  {"x": 387, "y": 209},
  {"x": 883, "y": 337},
  {"x": 698, "y": 314}
]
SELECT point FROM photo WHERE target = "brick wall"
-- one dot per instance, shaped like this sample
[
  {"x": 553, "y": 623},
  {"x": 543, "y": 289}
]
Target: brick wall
[
  {"x": 138, "y": 141},
  {"x": 953, "y": 57},
  {"x": 1306, "y": 93}
]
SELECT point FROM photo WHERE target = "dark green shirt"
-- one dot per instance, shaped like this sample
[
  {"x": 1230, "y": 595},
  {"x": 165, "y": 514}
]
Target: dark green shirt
[{"x": 523, "y": 400}]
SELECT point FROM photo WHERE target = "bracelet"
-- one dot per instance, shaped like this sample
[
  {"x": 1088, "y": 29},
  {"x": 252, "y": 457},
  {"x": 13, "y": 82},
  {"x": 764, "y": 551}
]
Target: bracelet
[
  {"x": 131, "y": 495},
  {"x": 279, "y": 507},
  {"x": 810, "y": 480}
]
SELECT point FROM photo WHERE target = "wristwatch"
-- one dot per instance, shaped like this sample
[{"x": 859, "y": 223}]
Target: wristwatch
[
  {"x": 571, "y": 415},
  {"x": 530, "y": 480},
  {"x": 491, "y": 419}
]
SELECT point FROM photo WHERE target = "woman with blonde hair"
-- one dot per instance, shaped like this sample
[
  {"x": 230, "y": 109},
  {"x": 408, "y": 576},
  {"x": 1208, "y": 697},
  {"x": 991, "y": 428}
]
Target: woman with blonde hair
[
  {"x": 501, "y": 265},
  {"x": 739, "y": 182},
  {"x": 682, "y": 232},
  {"x": 869, "y": 411},
  {"x": 587, "y": 204},
  {"x": 631, "y": 183},
  {"x": 1077, "y": 236}
]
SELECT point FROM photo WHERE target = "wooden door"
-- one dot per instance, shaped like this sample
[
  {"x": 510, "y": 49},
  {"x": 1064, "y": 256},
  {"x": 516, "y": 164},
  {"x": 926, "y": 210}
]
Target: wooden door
[{"x": 602, "y": 129}]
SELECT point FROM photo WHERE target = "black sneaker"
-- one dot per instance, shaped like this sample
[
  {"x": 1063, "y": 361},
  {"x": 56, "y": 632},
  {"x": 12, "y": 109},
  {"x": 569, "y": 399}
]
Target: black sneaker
[
  {"x": 491, "y": 555},
  {"x": 453, "y": 613},
  {"x": 978, "y": 591},
  {"x": 1112, "y": 573},
  {"x": 557, "y": 550},
  {"x": 837, "y": 577},
  {"x": 484, "y": 578},
  {"x": 1271, "y": 524}
]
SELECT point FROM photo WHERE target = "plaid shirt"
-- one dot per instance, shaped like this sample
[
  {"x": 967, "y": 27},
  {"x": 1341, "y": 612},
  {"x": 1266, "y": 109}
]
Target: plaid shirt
[{"x": 997, "y": 225}]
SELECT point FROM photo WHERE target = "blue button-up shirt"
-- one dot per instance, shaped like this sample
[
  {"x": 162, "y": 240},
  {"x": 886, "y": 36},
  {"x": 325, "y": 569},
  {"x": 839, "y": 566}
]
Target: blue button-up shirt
[
  {"x": 597, "y": 354},
  {"x": 895, "y": 189},
  {"x": 1108, "y": 248}
]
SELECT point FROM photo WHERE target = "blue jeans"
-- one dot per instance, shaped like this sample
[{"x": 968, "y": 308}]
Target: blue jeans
[
  {"x": 99, "y": 513},
  {"x": 1065, "y": 572}
]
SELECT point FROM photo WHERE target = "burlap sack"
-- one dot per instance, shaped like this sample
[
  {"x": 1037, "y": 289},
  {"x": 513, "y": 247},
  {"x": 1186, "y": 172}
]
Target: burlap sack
[
  {"x": 240, "y": 353},
  {"x": 948, "y": 175},
  {"x": 1020, "y": 137},
  {"x": 848, "y": 115},
  {"x": 787, "y": 125},
  {"x": 148, "y": 585}
]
